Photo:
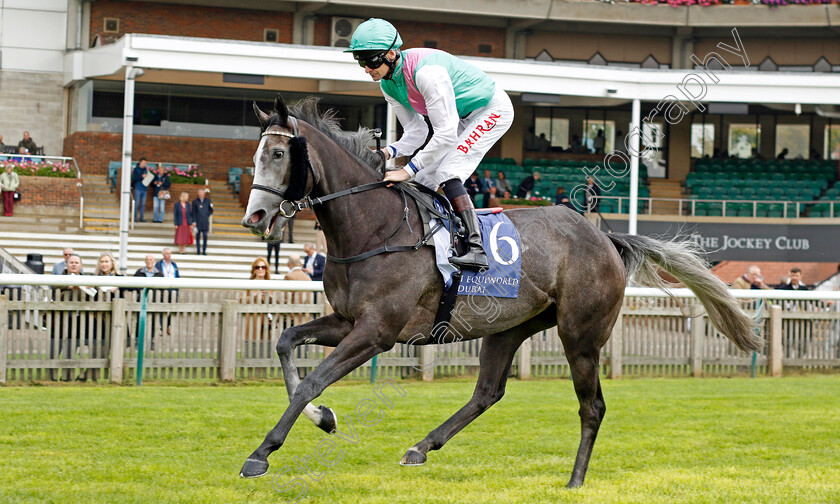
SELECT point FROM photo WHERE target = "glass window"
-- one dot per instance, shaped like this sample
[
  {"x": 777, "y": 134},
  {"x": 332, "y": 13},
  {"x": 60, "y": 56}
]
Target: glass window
[
  {"x": 743, "y": 138},
  {"x": 796, "y": 138},
  {"x": 556, "y": 131},
  {"x": 590, "y": 134},
  {"x": 702, "y": 140},
  {"x": 832, "y": 142},
  {"x": 653, "y": 141}
]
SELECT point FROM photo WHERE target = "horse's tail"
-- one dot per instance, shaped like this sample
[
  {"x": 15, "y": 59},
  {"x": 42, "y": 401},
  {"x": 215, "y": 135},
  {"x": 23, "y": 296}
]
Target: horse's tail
[{"x": 643, "y": 256}]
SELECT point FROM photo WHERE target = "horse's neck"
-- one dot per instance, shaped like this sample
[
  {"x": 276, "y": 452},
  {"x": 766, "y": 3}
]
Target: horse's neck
[{"x": 354, "y": 223}]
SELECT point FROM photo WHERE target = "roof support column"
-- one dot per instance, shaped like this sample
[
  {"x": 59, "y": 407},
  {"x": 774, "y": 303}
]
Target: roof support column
[
  {"x": 125, "y": 179},
  {"x": 633, "y": 149}
]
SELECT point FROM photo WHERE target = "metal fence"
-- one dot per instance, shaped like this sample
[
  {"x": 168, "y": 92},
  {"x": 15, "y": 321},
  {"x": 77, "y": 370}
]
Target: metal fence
[{"x": 228, "y": 332}]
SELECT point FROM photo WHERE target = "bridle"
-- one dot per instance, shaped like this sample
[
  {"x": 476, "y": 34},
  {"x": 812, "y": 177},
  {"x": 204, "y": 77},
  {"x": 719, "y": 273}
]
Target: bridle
[
  {"x": 294, "y": 206},
  {"x": 288, "y": 208}
]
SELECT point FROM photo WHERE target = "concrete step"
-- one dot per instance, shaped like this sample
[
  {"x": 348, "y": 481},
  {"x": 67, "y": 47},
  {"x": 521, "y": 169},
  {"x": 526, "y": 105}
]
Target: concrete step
[{"x": 226, "y": 259}]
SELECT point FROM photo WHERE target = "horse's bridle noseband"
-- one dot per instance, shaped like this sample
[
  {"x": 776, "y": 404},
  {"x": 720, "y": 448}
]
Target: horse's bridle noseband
[{"x": 295, "y": 205}]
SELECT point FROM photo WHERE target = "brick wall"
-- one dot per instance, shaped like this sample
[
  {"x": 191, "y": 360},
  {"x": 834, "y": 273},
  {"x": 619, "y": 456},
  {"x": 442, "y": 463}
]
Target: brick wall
[
  {"x": 49, "y": 192},
  {"x": 94, "y": 150},
  {"x": 187, "y": 21},
  {"x": 455, "y": 39}
]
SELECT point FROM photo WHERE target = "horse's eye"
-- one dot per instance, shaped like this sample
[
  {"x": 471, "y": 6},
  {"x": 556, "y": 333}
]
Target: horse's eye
[{"x": 278, "y": 154}]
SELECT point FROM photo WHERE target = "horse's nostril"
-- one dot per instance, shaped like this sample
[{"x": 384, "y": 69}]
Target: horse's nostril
[{"x": 257, "y": 216}]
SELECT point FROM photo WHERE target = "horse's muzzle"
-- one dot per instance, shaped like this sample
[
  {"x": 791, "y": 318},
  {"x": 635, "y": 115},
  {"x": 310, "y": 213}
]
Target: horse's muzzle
[{"x": 265, "y": 224}]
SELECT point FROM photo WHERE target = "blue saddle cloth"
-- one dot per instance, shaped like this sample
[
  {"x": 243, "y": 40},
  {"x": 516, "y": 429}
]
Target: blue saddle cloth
[{"x": 504, "y": 253}]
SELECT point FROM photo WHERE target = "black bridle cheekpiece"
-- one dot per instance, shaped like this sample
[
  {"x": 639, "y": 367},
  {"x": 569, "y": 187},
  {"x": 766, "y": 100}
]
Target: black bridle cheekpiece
[{"x": 300, "y": 166}]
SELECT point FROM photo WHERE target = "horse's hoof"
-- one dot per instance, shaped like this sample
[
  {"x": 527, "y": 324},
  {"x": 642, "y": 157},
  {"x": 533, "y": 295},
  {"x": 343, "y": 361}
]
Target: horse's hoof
[
  {"x": 254, "y": 468},
  {"x": 413, "y": 458},
  {"x": 329, "y": 422}
]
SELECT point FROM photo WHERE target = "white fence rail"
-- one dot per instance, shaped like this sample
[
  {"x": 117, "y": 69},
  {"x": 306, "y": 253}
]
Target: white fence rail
[{"x": 207, "y": 329}]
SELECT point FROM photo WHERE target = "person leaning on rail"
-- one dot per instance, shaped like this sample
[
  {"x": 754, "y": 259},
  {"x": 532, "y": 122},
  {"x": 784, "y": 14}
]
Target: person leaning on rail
[
  {"x": 750, "y": 280},
  {"x": 433, "y": 91}
]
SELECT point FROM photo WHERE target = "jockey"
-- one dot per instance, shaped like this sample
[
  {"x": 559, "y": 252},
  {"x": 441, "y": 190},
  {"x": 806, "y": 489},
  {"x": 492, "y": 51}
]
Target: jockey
[{"x": 430, "y": 89}]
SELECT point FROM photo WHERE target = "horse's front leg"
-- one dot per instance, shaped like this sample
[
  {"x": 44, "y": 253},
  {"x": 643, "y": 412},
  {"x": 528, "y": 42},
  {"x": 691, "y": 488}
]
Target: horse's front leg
[
  {"x": 327, "y": 331},
  {"x": 368, "y": 338}
]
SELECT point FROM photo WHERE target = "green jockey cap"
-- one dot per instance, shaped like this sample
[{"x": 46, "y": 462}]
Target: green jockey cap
[{"x": 375, "y": 35}]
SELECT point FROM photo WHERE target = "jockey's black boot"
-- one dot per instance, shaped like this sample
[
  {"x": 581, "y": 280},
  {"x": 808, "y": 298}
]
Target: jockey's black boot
[{"x": 475, "y": 258}]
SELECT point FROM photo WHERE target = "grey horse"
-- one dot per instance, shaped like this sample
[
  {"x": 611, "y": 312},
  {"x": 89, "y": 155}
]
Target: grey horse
[{"x": 573, "y": 277}]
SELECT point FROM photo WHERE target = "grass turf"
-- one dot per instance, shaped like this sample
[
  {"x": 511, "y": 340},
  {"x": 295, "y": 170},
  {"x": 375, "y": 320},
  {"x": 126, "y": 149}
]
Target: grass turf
[{"x": 663, "y": 440}]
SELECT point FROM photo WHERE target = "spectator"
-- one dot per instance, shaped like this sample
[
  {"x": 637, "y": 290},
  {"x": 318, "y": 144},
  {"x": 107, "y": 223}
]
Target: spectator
[
  {"x": 60, "y": 267},
  {"x": 2, "y": 145},
  {"x": 258, "y": 325},
  {"x": 750, "y": 280},
  {"x": 140, "y": 182},
  {"x": 160, "y": 188},
  {"x": 170, "y": 270},
  {"x": 593, "y": 194},
  {"x": 795, "y": 282},
  {"x": 527, "y": 185},
  {"x": 149, "y": 270},
  {"x": 507, "y": 195},
  {"x": 106, "y": 267},
  {"x": 28, "y": 144},
  {"x": 502, "y": 184},
  {"x": 488, "y": 186},
  {"x": 782, "y": 154},
  {"x": 561, "y": 198},
  {"x": 473, "y": 186},
  {"x": 184, "y": 223},
  {"x": 320, "y": 238},
  {"x": 67, "y": 326},
  {"x": 813, "y": 155},
  {"x": 9, "y": 183},
  {"x": 598, "y": 142},
  {"x": 202, "y": 209},
  {"x": 167, "y": 266},
  {"x": 530, "y": 142},
  {"x": 576, "y": 145},
  {"x": 296, "y": 272},
  {"x": 290, "y": 228},
  {"x": 754, "y": 154},
  {"x": 274, "y": 247},
  {"x": 543, "y": 145},
  {"x": 314, "y": 262}
]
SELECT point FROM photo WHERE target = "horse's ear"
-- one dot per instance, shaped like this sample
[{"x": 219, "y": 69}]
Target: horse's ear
[
  {"x": 262, "y": 117},
  {"x": 281, "y": 110}
]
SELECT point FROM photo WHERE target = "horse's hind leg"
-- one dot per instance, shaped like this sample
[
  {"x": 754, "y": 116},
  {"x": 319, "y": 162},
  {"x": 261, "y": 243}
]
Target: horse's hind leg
[
  {"x": 329, "y": 331},
  {"x": 496, "y": 355},
  {"x": 584, "y": 367}
]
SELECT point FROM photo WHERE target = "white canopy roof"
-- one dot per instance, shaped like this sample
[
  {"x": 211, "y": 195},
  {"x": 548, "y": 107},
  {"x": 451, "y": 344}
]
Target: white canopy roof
[{"x": 330, "y": 66}]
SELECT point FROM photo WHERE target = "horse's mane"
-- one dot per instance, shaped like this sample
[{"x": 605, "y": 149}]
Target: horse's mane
[{"x": 356, "y": 143}]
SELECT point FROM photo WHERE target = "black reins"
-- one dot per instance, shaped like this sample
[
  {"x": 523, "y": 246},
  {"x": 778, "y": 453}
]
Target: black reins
[{"x": 405, "y": 189}]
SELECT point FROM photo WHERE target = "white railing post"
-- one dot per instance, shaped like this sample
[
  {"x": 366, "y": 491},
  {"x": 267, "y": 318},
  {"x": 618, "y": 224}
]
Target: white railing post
[
  {"x": 4, "y": 334},
  {"x": 775, "y": 341},
  {"x": 523, "y": 361},
  {"x": 227, "y": 345},
  {"x": 698, "y": 335},
  {"x": 118, "y": 332},
  {"x": 427, "y": 362},
  {"x": 617, "y": 348}
]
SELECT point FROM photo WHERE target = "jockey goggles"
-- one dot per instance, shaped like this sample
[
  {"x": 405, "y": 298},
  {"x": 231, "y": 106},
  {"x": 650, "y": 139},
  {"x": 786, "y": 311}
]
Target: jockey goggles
[{"x": 374, "y": 59}]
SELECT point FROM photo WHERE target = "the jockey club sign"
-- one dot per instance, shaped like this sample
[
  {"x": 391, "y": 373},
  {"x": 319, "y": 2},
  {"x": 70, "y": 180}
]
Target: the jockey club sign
[{"x": 750, "y": 242}]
